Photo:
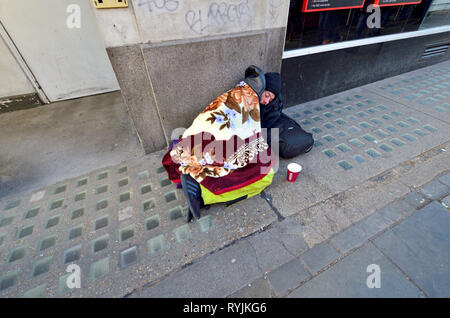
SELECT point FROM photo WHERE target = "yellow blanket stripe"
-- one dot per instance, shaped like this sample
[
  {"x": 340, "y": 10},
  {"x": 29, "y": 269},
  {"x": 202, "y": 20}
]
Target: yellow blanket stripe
[{"x": 250, "y": 190}]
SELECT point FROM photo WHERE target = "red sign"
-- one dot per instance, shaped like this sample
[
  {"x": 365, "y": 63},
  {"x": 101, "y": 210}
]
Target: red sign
[
  {"x": 385, "y": 3},
  {"x": 325, "y": 5}
]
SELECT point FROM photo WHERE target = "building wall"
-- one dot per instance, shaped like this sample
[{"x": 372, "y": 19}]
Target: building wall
[
  {"x": 317, "y": 75},
  {"x": 173, "y": 57}
]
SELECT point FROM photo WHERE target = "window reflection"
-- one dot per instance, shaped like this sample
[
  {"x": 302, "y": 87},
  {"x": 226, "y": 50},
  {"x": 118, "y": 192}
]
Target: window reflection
[
  {"x": 306, "y": 29},
  {"x": 436, "y": 14}
]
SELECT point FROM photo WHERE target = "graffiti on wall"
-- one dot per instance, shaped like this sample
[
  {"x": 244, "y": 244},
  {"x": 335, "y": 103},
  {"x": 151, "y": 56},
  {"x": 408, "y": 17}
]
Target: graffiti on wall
[
  {"x": 220, "y": 14},
  {"x": 159, "y": 5},
  {"x": 164, "y": 20}
]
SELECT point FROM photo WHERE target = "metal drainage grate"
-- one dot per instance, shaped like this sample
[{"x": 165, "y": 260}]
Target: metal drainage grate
[{"x": 435, "y": 50}]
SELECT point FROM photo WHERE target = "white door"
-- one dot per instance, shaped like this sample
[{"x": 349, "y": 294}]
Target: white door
[{"x": 66, "y": 62}]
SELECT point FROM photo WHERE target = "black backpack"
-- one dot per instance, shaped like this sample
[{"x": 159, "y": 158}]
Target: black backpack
[{"x": 293, "y": 139}]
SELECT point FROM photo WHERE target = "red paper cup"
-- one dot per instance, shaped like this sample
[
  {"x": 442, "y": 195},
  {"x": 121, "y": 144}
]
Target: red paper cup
[{"x": 293, "y": 170}]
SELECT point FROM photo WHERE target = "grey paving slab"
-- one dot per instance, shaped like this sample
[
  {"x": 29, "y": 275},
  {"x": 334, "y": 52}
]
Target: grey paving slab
[
  {"x": 325, "y": 218},
  {"x": 350, "y": 238},
  {"x": 320, "y": 256},
  {"x": 434, "y": 190},
  {"x": 290, "y": 198},
  {"x": 415, "y": 200},
  {"x": 374, "y": 224},
  {"x": 369, "y": 196},
  {"x": 426, "y": 89},
  {"x": 420, "y": 247},
  {"x": 402, "y": 207},
  {"x": 289, "y": 226},
  {"x": 348, "y": 278},
  {"x": 215, "y": 276},
  {"x": 259, "y": 288},
  {"x": 288, "y": 276},
  {"x": 445, "y": 179},
  {"x": 293, "y": 243},
  {"x": 311, "y": 236},
  {"x": 425, "y": 168},
  {"x": 392, "y": 213},
  {"x": 270, "y": 252}
]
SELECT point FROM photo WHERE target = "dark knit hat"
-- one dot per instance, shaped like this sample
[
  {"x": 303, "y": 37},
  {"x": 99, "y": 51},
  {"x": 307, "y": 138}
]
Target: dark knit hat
[
  {"x": 254, "y": 77},
  {"x": 273, "y": 82}
]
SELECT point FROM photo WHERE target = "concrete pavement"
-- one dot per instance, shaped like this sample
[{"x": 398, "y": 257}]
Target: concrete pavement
[
  {"x": 44, "y": 145},
  {"x": 378, "y": 170},
  {"x": 407, "y": 240}
]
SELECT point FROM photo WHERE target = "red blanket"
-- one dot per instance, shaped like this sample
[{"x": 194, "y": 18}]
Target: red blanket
[{"x": 224, "y": 148}]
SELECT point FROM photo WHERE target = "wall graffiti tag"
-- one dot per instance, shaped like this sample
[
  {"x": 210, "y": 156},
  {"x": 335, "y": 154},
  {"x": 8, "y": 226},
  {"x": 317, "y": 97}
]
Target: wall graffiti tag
[
  {"x": 154, "y": 5},
  {"x": 274, "y": 10},
  {"x": 220, "y": 14}
]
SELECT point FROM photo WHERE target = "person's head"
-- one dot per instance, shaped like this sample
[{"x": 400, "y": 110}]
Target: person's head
[
  {"x": 273, "y": 88},
  {"x": 255, "y": 78},
  {"x": 266, "y": 97}
]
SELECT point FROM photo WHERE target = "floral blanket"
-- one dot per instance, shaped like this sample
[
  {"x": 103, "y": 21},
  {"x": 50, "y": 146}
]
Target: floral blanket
[{"x": 225, "y": 139}]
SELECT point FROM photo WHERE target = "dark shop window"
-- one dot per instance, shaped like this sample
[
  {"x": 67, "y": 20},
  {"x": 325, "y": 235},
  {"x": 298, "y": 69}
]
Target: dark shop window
[{"x": 306, "y": 29}]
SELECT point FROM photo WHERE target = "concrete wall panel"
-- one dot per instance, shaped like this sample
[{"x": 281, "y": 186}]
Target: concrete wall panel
[
  {"x": 130, "y": 69},
  {"x": 188, "y": 76},
  {"x": 274, "y": 49},
  {"x": 117, "y": 26},
  {"x": 277, "y": 13}
]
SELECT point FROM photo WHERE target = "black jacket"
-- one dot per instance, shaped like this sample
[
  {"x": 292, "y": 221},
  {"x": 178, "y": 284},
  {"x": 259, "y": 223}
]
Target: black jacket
[
  {"x": 271, "y": 112},
  {"x": 293, "y": 140}
]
